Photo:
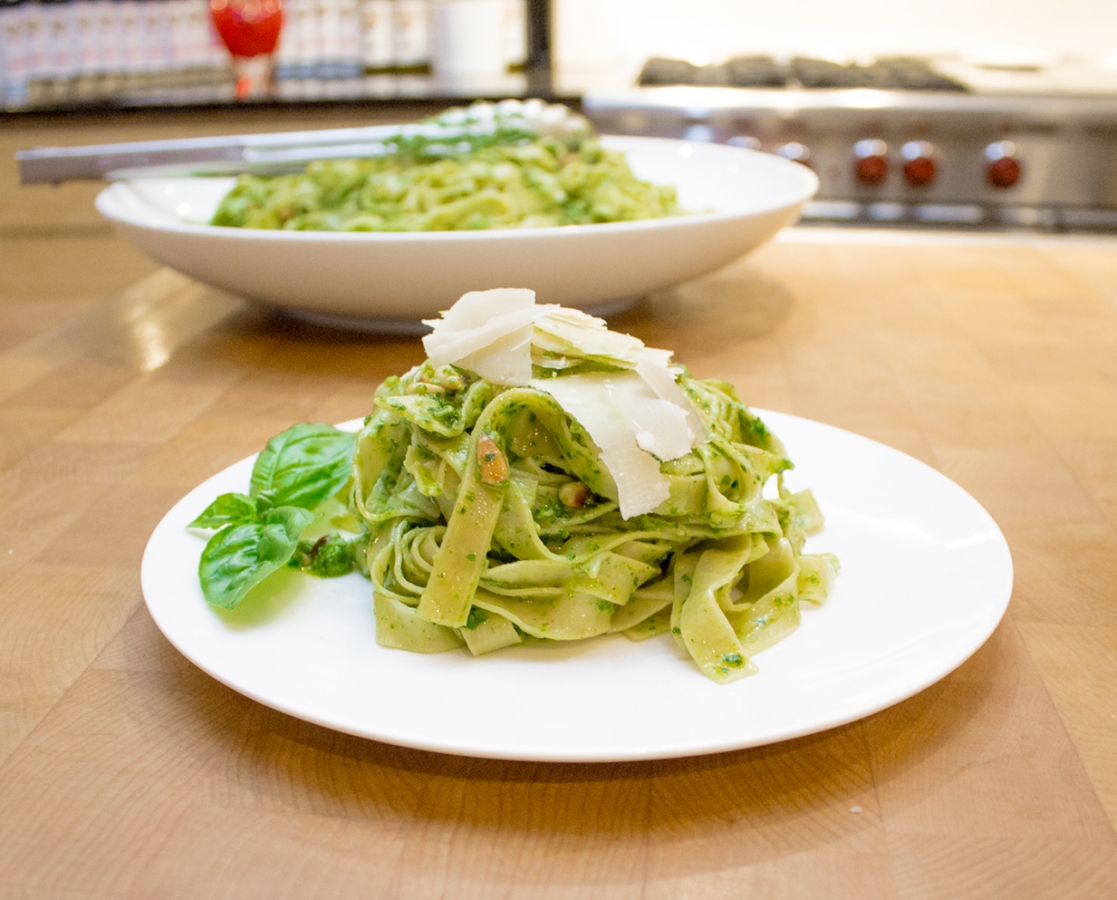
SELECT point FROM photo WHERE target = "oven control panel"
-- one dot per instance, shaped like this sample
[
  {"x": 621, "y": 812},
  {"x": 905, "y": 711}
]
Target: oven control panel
[{"x": 883, "y": 156}]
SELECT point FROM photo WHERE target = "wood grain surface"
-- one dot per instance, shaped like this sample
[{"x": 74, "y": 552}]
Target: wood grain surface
[{"x": 125, "y": 772}]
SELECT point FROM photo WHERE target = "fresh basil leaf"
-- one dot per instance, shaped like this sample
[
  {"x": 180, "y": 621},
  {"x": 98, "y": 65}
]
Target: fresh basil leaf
[
  {"x": 239, "y": 557},
  {"x": 228, "y": 509},
  {"x": 303, "y": 466}
]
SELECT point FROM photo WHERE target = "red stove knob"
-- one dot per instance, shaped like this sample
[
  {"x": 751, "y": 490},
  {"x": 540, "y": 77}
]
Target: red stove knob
[
  {"x": 920, "y": 166},
  {"x": 795, "y": 151},
  {"x": 1004, "y": 167},
  {"x": 870, "y": 161}
]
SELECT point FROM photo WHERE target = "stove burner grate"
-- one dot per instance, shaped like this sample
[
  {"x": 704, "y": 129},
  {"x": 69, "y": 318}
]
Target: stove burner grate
[{"x": 907, "y": 73}]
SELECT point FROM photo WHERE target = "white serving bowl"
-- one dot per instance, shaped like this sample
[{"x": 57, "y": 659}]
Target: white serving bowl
[{"x": 390, "y": 280}]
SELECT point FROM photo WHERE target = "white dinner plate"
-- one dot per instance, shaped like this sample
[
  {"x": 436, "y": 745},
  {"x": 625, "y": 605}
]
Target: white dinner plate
[
  {"x": 926, "y": 576},
  {"x": 740, "y": 199}
]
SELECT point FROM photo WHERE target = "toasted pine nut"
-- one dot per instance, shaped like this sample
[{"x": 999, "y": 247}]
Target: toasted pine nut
[
  {"x": 574, "y": 494},
  {"x": 494, "y": 467}
]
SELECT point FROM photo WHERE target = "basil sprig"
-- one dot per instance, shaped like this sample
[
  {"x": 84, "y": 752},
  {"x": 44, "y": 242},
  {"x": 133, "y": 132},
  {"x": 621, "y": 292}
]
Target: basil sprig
[
  {"x": 258, "y": 533},
  {"x": 239, "y": 557},
  {"x": 228, "y": 509},
  {"x": 304, "y": 466}
]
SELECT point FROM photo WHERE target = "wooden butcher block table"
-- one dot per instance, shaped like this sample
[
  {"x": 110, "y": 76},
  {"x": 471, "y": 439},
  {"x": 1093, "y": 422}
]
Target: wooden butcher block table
[{"x": 126, "y": 772}]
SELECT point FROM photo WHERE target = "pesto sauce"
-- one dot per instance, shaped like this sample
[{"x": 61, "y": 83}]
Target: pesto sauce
[{"x": 331, "y": 556}]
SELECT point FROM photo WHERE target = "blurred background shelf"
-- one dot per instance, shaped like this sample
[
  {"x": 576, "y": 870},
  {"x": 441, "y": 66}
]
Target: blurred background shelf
[
  {"x": 215, "y": 89},
  {"x": 72, "y": 55}
]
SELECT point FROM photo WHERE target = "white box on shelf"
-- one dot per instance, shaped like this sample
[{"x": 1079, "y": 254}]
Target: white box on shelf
[
  {"x": 411, "y": 30},
  {"x": 377, "y": 40}
]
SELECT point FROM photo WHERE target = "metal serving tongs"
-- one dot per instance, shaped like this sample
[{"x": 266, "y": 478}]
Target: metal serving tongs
[{"x": 453, "y": 131}]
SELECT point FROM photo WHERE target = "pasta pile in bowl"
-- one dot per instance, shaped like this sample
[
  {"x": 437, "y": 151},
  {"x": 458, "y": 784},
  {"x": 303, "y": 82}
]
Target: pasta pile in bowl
[{"x": 538, "y": 478}]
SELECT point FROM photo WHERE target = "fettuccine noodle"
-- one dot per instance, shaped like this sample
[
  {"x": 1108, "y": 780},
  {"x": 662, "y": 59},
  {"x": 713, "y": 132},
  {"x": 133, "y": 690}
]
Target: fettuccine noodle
[{"x": 493, "y": 518}]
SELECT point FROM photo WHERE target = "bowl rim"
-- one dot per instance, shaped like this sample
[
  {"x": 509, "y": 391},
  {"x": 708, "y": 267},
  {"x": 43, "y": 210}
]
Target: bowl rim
[{"x": 106, "y": 204}]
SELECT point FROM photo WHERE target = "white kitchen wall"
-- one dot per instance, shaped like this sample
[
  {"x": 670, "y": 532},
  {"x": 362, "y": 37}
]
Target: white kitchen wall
[{"x": 604, "y": 42}]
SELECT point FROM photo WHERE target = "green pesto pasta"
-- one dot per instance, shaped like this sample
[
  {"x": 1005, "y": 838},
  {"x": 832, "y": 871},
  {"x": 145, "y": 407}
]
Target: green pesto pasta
[
  {"x": 491, "y": 521},
  {"x": 525, "y": 183},
  {"x": 537, "y": 478}
]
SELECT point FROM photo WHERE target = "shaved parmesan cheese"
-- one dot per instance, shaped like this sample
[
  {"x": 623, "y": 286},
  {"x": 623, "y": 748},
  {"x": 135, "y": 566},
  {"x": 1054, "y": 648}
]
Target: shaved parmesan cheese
[
  {"x": 629, "y": 423},
  {"x": 553, "y": 362},
  {"x": 655, "y": 357},
  {"x": 589, "y": 335},
  {"x": 487, "y": 332},
  {"x": 638, "y": 416},
  {"x": 662, "y": 380},
  {"x": 660, "y": 427},
  {"x": 507, "y": 360},
  {"x": 475, "y": 308}
]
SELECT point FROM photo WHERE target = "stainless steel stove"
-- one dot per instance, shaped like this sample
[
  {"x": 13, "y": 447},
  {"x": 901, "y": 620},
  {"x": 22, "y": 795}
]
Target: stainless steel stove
[{"x": 902, "y": 140}]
